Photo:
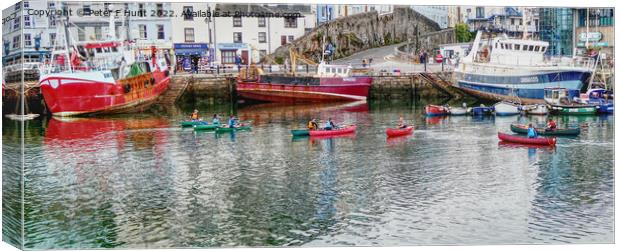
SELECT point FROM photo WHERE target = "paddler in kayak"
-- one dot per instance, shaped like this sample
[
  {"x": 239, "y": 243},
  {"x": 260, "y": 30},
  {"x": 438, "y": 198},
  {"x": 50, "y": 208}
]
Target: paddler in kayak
[
  {"x": 232, "y": 122},
  {"x": 329, "y": 125},
  {"x": 312, "y": 125},
  {"x": 401, "y": 123},
  {"x": 216, "y": 119},
  {"x": 551, "y": 125},
  {"x": 194, "y": 116},
  {"x": 531, "y": 132}
]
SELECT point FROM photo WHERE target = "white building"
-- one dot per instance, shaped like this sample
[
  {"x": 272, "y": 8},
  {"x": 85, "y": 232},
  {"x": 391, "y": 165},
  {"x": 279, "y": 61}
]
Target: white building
[
  {"x": 193, "y": 35},
  {"x": 152, "y": 26},
  {"x": 257, "y": 36},
  {"x": 31, "y": 35},
  {"x": 437, "y": 13},
  {"x": 507, "y": 20}
]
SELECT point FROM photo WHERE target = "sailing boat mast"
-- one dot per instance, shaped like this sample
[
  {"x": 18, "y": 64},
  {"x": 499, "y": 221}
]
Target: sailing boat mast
[{"x": 523, "y": 19}]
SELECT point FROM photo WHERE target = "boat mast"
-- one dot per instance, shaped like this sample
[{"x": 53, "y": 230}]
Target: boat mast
[
  {"x": 523, "y": 19},
  {"x": 65, "y": 25}
]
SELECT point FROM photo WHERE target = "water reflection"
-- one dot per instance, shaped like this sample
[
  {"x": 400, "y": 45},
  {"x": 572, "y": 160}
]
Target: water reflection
[{"x": 144, "y": 182}]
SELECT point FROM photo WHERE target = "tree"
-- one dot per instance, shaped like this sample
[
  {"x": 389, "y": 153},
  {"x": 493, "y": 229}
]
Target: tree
[{"x": 462, "y": 33}]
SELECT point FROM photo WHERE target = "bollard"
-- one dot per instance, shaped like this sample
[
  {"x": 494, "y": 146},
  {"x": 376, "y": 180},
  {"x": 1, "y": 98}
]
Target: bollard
[
  {"x": 270, "y": 70},
  {"x": 307, "y": 68}
]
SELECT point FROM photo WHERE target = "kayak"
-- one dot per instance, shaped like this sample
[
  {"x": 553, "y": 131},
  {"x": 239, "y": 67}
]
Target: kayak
[
  {"x": 344, "y": 130},
  {"x": 393, "y": 132},
  {"x": 205, "y": 127},
  {"x": 300, "y": 132},
  {"x": 526, "y": 140},
  {"x": 230, "y": 129},
  {"x": 436, "y": 110},
  {"x": 192, "y": 123},
  {"x": 542, "y": 131}
]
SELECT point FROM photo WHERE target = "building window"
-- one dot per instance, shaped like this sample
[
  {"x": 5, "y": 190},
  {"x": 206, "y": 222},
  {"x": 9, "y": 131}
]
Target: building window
[
  {"x": 106, "y": 6},
  {"x": 160, "y": 32},
  {"x": 27, "y": 22},
  {"x": 291, "y": 38},
  {"x": 141, "y": 11},
  {"x": 86, "y": 9},
  {"x": 188, "y": 13},
  {"x": 97, "y": 33},
  {"x": 290, "y": 22},
  {"x": 160, "y": 9},
  {"x": 228, "y": 56},
  {"x": 237, "y": 22},
  {"x": 16, "y": 42},
  {"x": 282, "y": 40},
  {"x": 142, "y": 31},
  {"x": 51, "y": 5},
  {"x": 16, "y": 23},
  {"x": 189, "y": 35},
  {"x": 479, "y": 12},
  {"x": 52, "y": 38},
  {"x": 27, "y": 38},
  {"x": 262, "y": 37},
  {"x": 262, "y": 54},
  {"x": 237, "y": 38},
  {"x": 18, "y": 6},
  {"x": 261, "y": 22},
  {"x": 26, "y": 4},
  {"x": 81, "y": 34},
  {"x": 52, "y": 21}
]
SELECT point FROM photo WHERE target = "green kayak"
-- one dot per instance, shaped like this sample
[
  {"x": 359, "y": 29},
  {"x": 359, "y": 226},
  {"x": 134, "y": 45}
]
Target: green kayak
[
  {"x": 228, "y": 129},
  {"x": 191, "y": 123},
  {"x": 205, "y": 127},
  {"x": 522, "y": 129},
  {"x": 300, "y": 132}
]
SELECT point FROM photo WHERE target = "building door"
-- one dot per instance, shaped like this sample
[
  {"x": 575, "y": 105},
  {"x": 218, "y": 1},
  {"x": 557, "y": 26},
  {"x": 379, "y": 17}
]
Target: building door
[
  {"x": 244, "y": 57},
  {"x": 282, "y": 40}
]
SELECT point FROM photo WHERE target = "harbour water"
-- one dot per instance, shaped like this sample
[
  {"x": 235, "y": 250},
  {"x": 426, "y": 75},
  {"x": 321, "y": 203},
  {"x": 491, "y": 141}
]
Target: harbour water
[{"x": 141, "y": 181}]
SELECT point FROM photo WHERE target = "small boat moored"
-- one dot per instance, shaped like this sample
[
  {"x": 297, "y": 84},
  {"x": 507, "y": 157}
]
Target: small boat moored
[
  {"x": 436, "y": 110},
  {"x": 560, "y": 101},
  {"x": 394, "y": 132},
  {"x": 481, "y": 111},
  {"x": 522, "y": 129},
  {"x": 526, "y": 140},
  {"x": 340, "y": 131},
  {"x": 505, "y": 108},
  {"x": 536, "y": 109}
]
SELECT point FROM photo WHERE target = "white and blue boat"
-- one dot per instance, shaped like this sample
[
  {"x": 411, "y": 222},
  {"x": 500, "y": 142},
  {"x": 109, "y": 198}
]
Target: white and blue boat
[
  {"x": 506, "y": 108},
  {"x": 503, "y": 68}
]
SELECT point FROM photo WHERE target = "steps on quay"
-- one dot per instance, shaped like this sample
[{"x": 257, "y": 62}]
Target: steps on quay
[
  {"x": 176, "y": 88},
  {"x": 442, "y": 85}
]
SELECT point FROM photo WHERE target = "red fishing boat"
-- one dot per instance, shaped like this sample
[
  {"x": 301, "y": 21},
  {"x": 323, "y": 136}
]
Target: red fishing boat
[
  {"x": 102, "y": 77},
  {"x": 526, "y": 140}
]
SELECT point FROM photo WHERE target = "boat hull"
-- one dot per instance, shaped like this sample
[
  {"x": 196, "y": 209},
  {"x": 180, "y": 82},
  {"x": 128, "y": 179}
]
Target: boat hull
[
  {"x": 346, "y": 130},
  {"x": 395, "y": 132},
  {"x": 300, "y": 133},
  {"x": 526, "y": 140},
  {"x": 85, "y": 93},
  {"x": 506, "y": 109},
  {"x": 436, "y": 110},
  {"x": 522, "y": 129},
  {"x": 523, "y": 87},
  {"x": 305, "y": 89}
]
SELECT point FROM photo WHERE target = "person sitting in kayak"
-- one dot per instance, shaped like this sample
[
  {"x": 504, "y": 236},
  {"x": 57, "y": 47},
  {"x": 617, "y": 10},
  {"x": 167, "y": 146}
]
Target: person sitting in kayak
[
  {"x": 216, "y": 119},
  {"x": 551, "y": 125},
  {"x": 232, "y": 122},
  {"x": 401, "y": 123},
  {"x": 312, "y": 125},
  {"x": 194, "y": 115},
  {"x": 329, "y": 125},
  {"x": 531, "y": 132}
]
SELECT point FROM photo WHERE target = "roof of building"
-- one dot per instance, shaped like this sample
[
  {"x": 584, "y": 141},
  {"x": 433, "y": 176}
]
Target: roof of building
[{"x": 264, "y": 8}]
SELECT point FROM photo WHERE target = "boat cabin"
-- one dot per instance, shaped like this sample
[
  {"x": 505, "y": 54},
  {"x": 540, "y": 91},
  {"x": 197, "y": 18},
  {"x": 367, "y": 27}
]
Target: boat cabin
[
  {"x": 560, "y": 96},
  {"x": 325, "y": 70},
  {"x": 509, "y": 51}
]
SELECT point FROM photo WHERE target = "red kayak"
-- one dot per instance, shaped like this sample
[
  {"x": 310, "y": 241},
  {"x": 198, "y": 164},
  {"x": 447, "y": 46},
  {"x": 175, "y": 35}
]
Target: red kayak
[
  {"x": 526, "y": 140},
  {"x": 344, "y": 130},
  {"x": 393, "y": 132},
  {"x": 436, "y": 110}
]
